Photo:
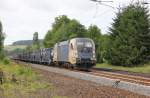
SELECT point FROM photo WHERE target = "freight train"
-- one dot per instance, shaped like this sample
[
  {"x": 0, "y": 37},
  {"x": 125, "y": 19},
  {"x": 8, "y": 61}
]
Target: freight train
[{"x": 73, "y": 53}]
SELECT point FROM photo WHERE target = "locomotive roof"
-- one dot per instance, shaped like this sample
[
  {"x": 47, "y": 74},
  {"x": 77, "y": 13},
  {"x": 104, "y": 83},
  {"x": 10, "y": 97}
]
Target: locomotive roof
[
  {"x": 66, "y": 42},
  {"x": 63, "y": 43}
]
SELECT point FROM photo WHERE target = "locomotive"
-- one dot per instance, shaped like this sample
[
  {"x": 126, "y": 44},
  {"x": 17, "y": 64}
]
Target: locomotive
[{"x": 73, "y": 53}]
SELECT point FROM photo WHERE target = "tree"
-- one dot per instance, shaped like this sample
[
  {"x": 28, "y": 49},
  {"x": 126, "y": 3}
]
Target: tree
[
  {"x": 57, "y": 32},
  {"x": 1, "y": 41},
  {"x": 48, "y": 39},
  {"x": 63, "y": 29},
  {"x": 75, "y": 29},
  {"x": 36, "y": 43},
  {"x": 130, "y": 36}
]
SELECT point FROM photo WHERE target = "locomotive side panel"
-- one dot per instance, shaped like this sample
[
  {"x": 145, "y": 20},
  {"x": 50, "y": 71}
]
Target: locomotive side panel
[
  {"x": 63, "y": 53},
  {"x": 62, "y": 50},
  {"x": 72, "y": 52}
]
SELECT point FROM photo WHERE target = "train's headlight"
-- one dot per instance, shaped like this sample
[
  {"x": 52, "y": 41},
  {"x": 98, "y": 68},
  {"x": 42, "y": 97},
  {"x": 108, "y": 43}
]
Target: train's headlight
[
  {"x": 92, "y": 59},
  {"x": 94, "y": 53}
]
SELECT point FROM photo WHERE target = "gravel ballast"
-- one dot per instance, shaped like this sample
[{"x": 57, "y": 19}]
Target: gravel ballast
[{"x": 77, "y": 87}]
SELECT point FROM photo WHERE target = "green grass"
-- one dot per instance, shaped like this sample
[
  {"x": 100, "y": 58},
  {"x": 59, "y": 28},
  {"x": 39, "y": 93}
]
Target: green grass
[
  {"x": 27, "y": 81},
  {"x": 28, "y": 84},
  {"x": 60, "y": 97},
  {"x": 141, "y": 69}
]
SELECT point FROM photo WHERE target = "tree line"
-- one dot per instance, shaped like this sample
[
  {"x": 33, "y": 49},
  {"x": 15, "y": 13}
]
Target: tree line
[{"x": 127, "y": 43}]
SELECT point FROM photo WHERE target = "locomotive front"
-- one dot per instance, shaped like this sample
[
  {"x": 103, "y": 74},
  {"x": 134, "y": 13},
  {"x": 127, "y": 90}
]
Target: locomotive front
[{"x": 85, "y": 54}]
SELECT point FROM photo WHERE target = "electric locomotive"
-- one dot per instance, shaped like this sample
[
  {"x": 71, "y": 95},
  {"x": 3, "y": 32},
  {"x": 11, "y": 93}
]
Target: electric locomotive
[{"x": 76, "y": 52}]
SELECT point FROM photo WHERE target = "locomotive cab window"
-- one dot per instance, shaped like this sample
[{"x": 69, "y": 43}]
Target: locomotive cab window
[
  {"x": 88, "y": 44},
  {"x": 84, "y": 46}
]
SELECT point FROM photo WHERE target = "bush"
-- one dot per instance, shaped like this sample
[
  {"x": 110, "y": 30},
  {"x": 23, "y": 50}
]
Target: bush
[
  {"x": 24, "y": 71},
  {"x": 2, "y": 56},
  {"x": 6, "y": 61}
]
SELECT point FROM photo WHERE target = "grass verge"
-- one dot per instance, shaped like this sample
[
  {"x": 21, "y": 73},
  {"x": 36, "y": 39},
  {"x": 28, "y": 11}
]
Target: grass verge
[
  {"x": 22, "y": 82},
  {"x": 140, "y": 69}
]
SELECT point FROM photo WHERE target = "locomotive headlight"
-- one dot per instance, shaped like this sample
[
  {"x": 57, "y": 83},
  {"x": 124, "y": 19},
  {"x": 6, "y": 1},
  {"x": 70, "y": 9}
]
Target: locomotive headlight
[
  {"x": 92, "y": 59},
  {"x": 94, "y": 53}
]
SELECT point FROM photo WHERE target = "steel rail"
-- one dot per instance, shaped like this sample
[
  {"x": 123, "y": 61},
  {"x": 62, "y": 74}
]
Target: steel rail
[{"x": 122, "y": 77}]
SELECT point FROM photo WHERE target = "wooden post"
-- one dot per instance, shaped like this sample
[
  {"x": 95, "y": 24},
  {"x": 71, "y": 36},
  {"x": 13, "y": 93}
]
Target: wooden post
[
  {"x": 1, "y": 76},
  {"x": 14, "y": 78}
]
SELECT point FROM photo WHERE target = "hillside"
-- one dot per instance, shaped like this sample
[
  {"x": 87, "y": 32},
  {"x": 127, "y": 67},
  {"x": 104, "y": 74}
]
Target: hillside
[{"x": 25, "y": 42}]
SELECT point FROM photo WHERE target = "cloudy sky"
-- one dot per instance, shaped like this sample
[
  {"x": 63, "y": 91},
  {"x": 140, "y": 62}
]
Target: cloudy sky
[{"x": 21, "y": 18}]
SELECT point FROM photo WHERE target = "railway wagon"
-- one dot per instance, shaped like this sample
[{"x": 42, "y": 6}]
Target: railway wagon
[
  {"x": 37, "y": 56},
  {"x": 76, "y": 52},
  {"x": 42, "y": 56},
  {"x": 46, "y": 56}
]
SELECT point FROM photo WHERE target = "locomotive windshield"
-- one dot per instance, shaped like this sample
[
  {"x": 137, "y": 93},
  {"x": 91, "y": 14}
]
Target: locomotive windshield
[{"x": 84, "y": 46}]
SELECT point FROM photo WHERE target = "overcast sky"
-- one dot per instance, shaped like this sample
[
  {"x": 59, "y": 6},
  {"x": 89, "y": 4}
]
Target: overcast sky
[{"x": 21, "y": 18}]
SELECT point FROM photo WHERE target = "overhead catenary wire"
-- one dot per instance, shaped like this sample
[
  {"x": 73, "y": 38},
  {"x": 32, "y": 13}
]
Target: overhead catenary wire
[
  {"x": 98, "y": 2},
  {"x": 104, "y": 3},
  {"x": 96, "y": 11}
]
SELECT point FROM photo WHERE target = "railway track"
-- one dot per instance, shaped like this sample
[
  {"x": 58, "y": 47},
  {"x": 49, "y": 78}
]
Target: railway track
[
  {"x": 122, "y": 77},
  {"x": 119, "y": 77}
]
